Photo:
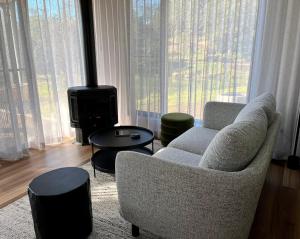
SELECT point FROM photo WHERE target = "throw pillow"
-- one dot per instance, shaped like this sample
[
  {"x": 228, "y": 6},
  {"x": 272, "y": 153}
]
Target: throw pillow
[
  {"x": 234, "y": 147},
  {"x": 265, "y": 101}
]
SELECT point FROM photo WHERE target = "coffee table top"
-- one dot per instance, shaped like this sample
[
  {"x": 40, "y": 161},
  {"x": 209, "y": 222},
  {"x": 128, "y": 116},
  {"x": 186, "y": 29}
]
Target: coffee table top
[
  {"x": 107, "y": 139},
  {"x": 58, "y": 181}
]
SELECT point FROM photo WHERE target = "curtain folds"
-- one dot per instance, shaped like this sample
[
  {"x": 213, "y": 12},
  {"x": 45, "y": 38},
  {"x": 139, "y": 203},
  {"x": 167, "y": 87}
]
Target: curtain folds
[
  {"x": 184, "y": 53},
  {"x": 40, "y": 57},
  {"x": 147, "y": 61},
  {"x": 209, "y": 52},
  {"x": 58, "y": 59},
  {"x": 276, "y": 65},
  {"x": 20, "y": 122},
  {"x": 180, "y": 54},
  {"x": 111, "y": 19}
]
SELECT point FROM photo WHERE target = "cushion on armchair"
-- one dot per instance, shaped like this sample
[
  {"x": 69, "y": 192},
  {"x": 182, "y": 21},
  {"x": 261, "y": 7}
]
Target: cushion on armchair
[
  {"x": 178, "y": 156},
  {"x": 265, "y": 101},
  {"x": 234, "y": 147},
  {"x": 217, "y": 115},
  {"x": 195, "y": 140}
]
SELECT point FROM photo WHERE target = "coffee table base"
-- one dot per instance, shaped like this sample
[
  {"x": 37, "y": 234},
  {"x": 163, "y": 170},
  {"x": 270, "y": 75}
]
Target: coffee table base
[{"x": 104, "y": 160}]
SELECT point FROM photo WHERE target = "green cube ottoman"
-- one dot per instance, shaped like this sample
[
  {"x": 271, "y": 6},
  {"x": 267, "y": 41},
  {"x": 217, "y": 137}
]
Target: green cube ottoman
[{"x": 173, "y": 125}]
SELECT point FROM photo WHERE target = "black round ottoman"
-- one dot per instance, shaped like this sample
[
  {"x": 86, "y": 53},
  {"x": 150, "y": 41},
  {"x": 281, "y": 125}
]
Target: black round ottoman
[
  {"x": 60, "y": 203},
  {"x": 173, "y": 125}
]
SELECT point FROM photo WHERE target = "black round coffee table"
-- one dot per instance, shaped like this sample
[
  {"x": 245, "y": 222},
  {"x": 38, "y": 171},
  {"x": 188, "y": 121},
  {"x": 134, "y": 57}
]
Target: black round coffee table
[{"x": 113, "y": 140}]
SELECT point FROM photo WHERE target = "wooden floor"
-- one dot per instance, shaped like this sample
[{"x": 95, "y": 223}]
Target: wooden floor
[
  {"x": 278, "y": 212},
  {"x": 15, "y": 176},
  {"x": 277, "y": 216}
]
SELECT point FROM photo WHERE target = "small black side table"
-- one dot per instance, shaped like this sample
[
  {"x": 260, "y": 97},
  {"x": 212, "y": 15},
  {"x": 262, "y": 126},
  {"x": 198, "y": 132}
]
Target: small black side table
[
  {"x": 110, "y": 144},
  {"x": 61, "y": 204}
]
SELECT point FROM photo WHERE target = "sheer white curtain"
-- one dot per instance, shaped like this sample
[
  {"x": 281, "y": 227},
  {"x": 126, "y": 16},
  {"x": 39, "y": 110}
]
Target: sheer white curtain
[
  {"x": 184, "y": 53},
  {"x": 57, "y": 52},
  {"x": 181, "y": 54},
  {"x": 276, "y": 67},
  {"x": 40, "y": 56},
  {"x": 111, "y": 19},
  {"x": 20, "y": 122},
  {"x": 147, "y": 61}
]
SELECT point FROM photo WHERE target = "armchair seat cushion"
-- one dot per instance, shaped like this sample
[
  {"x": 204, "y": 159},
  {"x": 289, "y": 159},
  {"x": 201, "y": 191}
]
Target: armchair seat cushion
[
  {"x": 178, "y": 156},
  {"x": 195, "y": 140}
]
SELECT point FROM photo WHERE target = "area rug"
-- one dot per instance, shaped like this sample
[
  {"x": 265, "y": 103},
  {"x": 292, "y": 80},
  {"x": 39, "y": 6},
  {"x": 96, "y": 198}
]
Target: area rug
[{"x": 16, "y": 220}]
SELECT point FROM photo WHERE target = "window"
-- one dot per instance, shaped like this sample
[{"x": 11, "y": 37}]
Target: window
[
  {"x": 40, "y": 56},
  {"x": 184, "y": 53}
]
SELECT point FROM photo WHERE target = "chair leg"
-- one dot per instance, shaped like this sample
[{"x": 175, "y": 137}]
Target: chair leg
[{"x": 135, "y": 231}]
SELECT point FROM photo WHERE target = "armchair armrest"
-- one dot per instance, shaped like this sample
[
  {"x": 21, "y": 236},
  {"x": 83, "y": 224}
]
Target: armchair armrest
[
  {"x": 169, "y": 199},
  {"x": 217, "y": 115}
]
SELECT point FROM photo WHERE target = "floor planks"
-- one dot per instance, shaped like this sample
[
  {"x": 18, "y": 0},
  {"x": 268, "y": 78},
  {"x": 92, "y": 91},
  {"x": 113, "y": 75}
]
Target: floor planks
[
  {"x": 277, "y": 215},
  {"x": 278, "y": 212},
  {"x": 15, "y": 176}
]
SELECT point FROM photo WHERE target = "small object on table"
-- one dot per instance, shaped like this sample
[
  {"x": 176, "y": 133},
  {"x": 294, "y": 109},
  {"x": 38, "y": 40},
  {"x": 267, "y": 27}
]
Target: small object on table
[
  {"x": 116, "y": 139},
  {"x": 173, "y": 125},
  {"x": 61, "y": 204},
  {"x": 135, "y": 136},
  {"x": 122, "y": 133}
]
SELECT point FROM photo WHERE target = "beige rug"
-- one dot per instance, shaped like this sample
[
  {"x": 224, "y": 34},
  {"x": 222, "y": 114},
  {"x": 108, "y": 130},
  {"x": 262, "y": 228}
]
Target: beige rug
[{"x": 16, "y": 219}]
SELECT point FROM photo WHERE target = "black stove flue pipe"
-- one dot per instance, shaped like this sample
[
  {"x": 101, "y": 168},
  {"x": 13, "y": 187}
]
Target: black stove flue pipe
[{"x": 86, "y": 7}]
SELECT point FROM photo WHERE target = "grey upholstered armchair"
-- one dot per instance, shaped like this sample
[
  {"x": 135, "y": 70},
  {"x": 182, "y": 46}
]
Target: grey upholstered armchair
[{"x": 171, "y": 195}]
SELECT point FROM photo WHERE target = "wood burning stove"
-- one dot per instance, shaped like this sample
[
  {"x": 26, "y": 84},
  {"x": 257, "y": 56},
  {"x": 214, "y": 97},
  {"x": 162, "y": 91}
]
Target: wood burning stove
[{"x": 91, "y": 107}]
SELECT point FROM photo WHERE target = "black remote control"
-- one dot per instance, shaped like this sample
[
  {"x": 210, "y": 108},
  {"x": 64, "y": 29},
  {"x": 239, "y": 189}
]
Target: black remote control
[{"x": 135, "y": 136}]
